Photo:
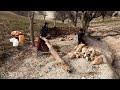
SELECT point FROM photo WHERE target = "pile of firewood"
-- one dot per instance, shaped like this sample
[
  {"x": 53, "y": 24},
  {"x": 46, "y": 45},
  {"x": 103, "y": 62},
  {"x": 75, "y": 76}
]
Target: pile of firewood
[{"x": 87, "y": 52}]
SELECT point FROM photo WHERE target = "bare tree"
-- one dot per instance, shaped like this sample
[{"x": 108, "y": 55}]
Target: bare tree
[
  {"x": 71, "y": 16},
  {"x": 62, "y": 15},
  {"x": 103, "y": 14},
  {"x": 106, "y": 14},
  {"x": 31, "y": 19},
  {"x": 87, "y": 16},
  {"x": 44, "y": 16},
  {"x": 76, "y": 17},
  {"x": 55, "y": 18}
]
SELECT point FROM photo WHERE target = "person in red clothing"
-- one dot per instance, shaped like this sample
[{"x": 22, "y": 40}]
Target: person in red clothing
[{"x": 41, "y": 46}]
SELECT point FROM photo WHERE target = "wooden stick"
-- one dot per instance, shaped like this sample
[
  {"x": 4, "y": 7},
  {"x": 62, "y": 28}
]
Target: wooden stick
[{"x": 55, "y": 55}]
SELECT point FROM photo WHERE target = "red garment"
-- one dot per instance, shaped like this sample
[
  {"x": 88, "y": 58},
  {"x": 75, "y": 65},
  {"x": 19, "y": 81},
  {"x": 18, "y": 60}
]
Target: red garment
[{"x": 41, "y": 46}]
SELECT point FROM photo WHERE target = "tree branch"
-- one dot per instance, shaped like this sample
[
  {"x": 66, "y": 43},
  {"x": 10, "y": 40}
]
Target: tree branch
[{"x": 56, "y": 56}]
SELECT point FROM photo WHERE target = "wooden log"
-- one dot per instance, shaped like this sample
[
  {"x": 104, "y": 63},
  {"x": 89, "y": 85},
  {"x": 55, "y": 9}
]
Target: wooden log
[{"x": 56, "y": 56}]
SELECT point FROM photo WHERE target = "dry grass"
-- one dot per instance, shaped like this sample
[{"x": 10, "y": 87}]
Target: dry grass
[{"x": 10, "y": 22}]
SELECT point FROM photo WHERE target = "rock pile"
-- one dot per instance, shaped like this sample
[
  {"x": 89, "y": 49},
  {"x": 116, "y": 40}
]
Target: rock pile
[{"x": 87, "y": 52}]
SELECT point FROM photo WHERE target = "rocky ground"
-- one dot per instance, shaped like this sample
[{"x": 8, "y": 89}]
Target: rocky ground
[
  {"x": 24, "y": 63},
  {"x": 44, "y": 66}
]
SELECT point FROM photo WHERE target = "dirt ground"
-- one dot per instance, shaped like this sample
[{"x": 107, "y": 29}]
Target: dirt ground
[{"x": 26, "y": 64}]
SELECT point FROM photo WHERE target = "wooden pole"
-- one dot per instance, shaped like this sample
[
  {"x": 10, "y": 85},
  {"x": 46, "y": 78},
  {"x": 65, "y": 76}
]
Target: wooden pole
[
  {"x": 31, "y": 19},
  {"x": 56, "y": 56}
]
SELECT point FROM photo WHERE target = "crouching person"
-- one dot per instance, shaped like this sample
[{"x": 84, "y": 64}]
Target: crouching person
[{"x": 41, "y": 46}]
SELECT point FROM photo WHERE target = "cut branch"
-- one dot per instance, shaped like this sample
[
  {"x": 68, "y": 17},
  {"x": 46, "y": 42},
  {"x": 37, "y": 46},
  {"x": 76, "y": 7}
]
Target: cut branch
[{"x": 56, "y": 56}]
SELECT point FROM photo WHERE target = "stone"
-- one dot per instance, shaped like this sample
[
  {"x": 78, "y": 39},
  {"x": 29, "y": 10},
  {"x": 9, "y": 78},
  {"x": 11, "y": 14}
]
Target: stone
[
  {"x": 97, "y": 53},
  {"x": 78, "y": 54},
  {"x": 85, "y": 55},
  {"x": 83, "y": 78},
  {"x": 75, "y": 47},
  {"x": 84, "y": 50},
  {"x": 79, "y": 48},
  {"x": 97, "y": 61},
  {"x": 93, "y": 30},
  {"x": 61, "y": 39},
  {"x": 91, "y": 49},
  {"x": 70, "y": 38},
  {"x": 92, "y": 55},
  {"x": 87, "y": 58},
  {"x": 71, "y": 55},
  {"x": 92, "y": 58}
]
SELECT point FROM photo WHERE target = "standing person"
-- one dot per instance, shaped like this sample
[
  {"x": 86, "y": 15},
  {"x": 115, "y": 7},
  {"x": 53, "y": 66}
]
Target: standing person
[
  {"x": 44, "y": 30},
  {"x": 41, "y": 46},
  {"x": 81, "y": 36}
]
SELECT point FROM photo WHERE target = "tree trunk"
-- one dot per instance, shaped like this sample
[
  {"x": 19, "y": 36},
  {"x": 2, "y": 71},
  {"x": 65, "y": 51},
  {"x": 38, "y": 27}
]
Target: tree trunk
[
  {"x": 31, "y": 18},
  {"x": 103, "y": 17},
  {"x": 55, "y": 23},
  {"x": 44, "y": 18},
  {"x": 75, "y": 24},
  {"x": 56, "y": 56},
  {"x": 76, "y": 17},
  {"x": 63, "y": 21},
  {"x": 68, "y": 22},
  {"x": 84, "y": 22}
]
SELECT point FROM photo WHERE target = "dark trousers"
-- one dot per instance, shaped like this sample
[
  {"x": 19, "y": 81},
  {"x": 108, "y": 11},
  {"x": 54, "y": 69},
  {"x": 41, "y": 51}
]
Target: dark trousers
[{"x": 81, "y": 41}]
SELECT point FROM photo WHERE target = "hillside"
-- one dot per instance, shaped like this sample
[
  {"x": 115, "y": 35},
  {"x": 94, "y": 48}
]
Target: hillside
[
  {"x": 10, "y": 22},
  {"x": 17, "y": 22},
  {"x": 20, "y": 63}
]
